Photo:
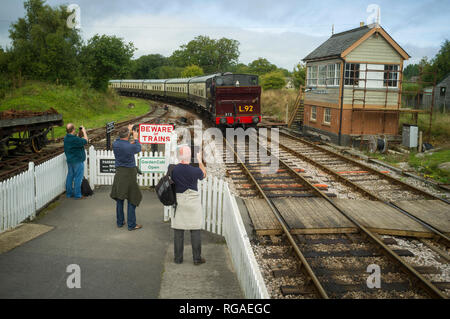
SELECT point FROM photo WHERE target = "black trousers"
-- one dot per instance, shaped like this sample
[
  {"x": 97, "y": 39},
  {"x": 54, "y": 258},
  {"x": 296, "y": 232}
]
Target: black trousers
[{"x": 179, "y": 245}]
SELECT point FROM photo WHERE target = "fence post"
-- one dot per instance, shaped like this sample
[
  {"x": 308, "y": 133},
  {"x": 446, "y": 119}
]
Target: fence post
[
  {"x": 92, "y": 166},
  {"x": 33, "y": 187}
]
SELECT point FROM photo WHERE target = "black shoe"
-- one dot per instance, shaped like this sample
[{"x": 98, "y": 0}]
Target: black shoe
[
  {"x": 199, "y": 262},
  {"x": 178, "y": 262}
]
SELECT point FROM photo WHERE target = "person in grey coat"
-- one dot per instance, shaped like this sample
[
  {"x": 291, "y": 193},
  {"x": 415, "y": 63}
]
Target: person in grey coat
[{"x": 188, "y": 214}]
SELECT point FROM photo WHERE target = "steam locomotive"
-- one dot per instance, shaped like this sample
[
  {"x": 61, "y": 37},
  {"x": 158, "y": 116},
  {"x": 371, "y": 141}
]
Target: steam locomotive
[{"x": 228, "y": 99}]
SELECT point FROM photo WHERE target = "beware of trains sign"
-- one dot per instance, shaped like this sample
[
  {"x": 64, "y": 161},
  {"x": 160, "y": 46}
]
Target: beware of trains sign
[{"x": 155, "y": 133}]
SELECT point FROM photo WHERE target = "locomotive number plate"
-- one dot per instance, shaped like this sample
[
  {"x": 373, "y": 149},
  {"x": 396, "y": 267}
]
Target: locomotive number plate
[{"x": 245, "y": 108}]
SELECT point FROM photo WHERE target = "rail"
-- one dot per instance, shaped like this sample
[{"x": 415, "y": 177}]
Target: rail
[
  {"x": 388, "y": 252},
  {"x": 438, "y": 233}
]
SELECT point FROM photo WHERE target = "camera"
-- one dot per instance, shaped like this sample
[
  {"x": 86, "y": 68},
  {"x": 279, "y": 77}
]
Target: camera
[{"x": 135, "y": 128}]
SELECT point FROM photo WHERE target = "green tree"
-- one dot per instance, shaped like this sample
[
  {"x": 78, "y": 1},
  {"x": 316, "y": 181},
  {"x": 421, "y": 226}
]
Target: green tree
[
  {"x": 273, "y": 80},
  {"x": 169, "y": 72},
  {"x": 426, "y": 72},
  {"x": 410, "y": 71},
  {"x": 210, "y": 54},
  {"x": 441, "y": 62},
  {"x": 240, "y": 68},
  {"x": 106, "y": 57},
  {"x": 43, "y": 47},
  {"x": 261, "y": 66},
  {"x": 192, "y": 70},
  {"x": 4, "y": 59},
  {"x": 5, "y": 79},
  {"x": 299, "y": 75},
  {"x": 146, "y": 67}
]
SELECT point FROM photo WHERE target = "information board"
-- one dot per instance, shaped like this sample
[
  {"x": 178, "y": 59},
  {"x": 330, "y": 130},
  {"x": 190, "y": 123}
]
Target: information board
[
  {"x": 107, "y": 166},
  {"x": 109, "y": 127}
]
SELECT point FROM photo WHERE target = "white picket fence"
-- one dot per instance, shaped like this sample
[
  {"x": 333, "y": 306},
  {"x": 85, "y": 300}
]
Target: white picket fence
[
  {"x": 95, "y": 177},
  {"x": 221, "y": 216},
  {"x": 23, "y": 195}
]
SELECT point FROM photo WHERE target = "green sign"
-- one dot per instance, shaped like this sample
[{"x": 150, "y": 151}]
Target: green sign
[{"x": 152, "y": 164}]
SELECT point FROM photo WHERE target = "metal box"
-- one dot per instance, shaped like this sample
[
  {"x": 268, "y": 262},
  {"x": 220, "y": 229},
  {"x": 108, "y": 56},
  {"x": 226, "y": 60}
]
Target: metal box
[{"x": 410, "y": 135}]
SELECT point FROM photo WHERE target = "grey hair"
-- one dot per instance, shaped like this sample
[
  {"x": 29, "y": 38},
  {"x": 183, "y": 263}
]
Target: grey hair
[
  {"x": 124, "y": 132},
  {"x": 184, "y": 154}
]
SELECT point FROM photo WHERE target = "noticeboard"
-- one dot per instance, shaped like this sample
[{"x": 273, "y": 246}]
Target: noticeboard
[{"x": 107, "y": 166}]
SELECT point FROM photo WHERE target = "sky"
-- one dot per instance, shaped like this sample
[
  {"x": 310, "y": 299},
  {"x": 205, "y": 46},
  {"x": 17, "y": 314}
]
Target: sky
[{"x": 282, "y": 31}]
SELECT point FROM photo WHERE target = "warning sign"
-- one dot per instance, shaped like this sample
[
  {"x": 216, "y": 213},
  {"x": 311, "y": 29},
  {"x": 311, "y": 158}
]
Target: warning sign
[{"x": 155, "y": 133}]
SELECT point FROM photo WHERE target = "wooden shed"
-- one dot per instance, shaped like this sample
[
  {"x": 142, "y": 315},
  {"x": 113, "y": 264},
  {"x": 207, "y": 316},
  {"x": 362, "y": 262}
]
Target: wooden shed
[{"x": 353, "y": 86}]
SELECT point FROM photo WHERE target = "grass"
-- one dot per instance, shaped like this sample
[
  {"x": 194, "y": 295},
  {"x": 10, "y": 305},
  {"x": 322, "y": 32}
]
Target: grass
[
  {"x": 428, "y": 165},
  {"x": 274, "y": 102},
  {"x": 80, "y": 106},
  {"x": 425, "y": 164}
]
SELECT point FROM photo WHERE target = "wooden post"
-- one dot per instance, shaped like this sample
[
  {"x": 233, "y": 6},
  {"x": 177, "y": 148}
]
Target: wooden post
[
  {"x": 287, "y": 113},
  {"x": 420, "y": 142}
]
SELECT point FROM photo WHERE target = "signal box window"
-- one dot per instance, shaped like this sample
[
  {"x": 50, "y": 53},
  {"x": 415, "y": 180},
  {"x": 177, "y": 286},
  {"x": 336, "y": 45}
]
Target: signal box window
[
  {"x": 327, "y": 116},
  {"x": 351, "y": 76},
  {"x": 313, "y": 113},
  {"x": 390, "y": 75}
]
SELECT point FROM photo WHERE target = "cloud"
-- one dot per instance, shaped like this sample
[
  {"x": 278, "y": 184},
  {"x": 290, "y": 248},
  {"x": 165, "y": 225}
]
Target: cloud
[{"x": 283, "y": 32}]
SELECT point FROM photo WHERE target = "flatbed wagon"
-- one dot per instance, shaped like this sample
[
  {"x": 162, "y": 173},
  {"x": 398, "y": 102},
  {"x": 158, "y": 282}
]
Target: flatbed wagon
[{"x": 20, "y": 130}]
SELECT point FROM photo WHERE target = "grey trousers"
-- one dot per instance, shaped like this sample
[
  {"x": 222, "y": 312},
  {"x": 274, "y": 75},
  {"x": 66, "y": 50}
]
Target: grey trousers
[{"x": 179, "y": 245}]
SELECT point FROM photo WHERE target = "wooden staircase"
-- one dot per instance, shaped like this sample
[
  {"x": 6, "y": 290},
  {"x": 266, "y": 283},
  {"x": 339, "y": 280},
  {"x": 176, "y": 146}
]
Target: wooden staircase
[{"x": 296, "y": 117}]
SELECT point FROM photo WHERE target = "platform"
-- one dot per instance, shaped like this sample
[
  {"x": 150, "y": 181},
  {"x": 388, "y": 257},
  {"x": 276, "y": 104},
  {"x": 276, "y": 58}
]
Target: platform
[
  {"x": 114, "y": 262},
  {"x": 317, "y": 216}
]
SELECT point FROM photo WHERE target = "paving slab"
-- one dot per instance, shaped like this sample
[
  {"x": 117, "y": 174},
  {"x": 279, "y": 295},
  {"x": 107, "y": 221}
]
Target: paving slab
[
  {"x": 114, "y": 262},
  {"x": 214, "y": 279}
]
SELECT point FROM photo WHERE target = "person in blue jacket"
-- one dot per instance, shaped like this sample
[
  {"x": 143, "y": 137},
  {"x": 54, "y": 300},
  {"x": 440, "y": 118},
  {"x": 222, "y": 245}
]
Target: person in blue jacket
[
  {"x": 75, "y": 155},
  {"x": 125, "y": 184}
]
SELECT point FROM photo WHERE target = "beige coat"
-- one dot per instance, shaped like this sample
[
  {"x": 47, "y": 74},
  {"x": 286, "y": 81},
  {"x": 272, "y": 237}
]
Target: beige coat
[{"x": 189, "y": 214}]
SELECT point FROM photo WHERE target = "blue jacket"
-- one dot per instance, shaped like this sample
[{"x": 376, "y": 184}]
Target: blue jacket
[
  {"x": 124, "y": 152},
  {"x": 74, "y": 148}
]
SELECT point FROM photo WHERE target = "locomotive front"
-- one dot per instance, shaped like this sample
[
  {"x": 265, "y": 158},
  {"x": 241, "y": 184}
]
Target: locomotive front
[{"x": 237, "y": 100}]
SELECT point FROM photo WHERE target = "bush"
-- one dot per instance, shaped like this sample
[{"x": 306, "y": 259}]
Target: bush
[{"x": 273, "y": 80}]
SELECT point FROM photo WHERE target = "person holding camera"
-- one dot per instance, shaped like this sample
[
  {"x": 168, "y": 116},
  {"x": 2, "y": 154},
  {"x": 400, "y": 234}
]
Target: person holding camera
[
  {"x": 188, "y": 214},
  {"x": 125, "y": 184},
  {"x": 75, "y": 156}
]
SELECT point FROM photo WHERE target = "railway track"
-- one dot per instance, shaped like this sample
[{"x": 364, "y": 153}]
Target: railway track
[
  {"x": 369, "y": 182},
  {"x": 329, "y": 265},
  {"x": 97, "y": 136}
]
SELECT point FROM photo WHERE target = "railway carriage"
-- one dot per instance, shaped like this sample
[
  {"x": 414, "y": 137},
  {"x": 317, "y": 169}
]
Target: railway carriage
[
  {"x": 132, "y": 86},
  {"x": 154, "y": 87},
  {"x": 177, "y": 89},
  {"x": 228, "y": 99}
]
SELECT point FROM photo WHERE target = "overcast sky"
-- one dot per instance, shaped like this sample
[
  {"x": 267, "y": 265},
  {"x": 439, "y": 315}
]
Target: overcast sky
[{"x": 283, "y": 31}]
